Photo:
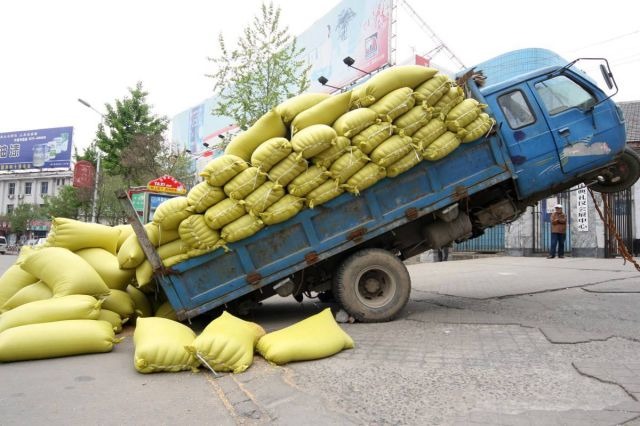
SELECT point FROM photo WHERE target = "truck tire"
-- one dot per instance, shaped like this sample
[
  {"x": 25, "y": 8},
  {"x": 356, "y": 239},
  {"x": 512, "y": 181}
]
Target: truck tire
[
  {"x": 620, "y": 176},
  {"x": 372, "y": 285}
]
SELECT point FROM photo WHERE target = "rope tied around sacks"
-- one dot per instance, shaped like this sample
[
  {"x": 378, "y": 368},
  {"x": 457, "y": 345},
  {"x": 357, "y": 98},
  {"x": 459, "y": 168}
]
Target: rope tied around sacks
[{"x": 608, "y": 221}]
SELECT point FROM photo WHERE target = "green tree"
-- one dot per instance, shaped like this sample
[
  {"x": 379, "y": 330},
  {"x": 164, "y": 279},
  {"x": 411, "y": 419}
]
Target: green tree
[
  {"x": 67, "y": 203},
  {"x": 127, "y": 119},
  {"x": 20, "y": 217},
  {"x": 265, "y": 68}
]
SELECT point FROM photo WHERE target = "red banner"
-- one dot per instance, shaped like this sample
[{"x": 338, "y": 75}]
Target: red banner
[
  {"x": 167, "y": 184},
  {"x": 83, "y": 174}
]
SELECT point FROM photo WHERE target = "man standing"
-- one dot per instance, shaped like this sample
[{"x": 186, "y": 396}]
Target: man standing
[{"x": 558, "y": 232}]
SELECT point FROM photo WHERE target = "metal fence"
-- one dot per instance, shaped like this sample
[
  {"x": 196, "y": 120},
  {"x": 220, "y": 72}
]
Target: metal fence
[
  {"x": 542, "y": 222},
  {"x": 490, "y": 242},
  {"x": 621, "y": 205}
]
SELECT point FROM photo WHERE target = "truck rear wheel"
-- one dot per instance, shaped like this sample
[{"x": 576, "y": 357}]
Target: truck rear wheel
[
  {"x": 620, "y": 176},
  {"x": 372, "y": 285}
]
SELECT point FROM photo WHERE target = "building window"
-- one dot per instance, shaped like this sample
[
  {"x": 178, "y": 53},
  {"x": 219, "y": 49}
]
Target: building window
[
  {"x": 27, "y": 188},
  {"x": 12, "y": 188},
  {"x": 44, "y": 188},
  {"x": 9, "y": 208}
]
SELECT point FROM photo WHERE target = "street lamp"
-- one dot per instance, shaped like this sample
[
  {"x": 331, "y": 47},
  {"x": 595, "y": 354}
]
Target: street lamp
[{"x": 95, "y": 185}]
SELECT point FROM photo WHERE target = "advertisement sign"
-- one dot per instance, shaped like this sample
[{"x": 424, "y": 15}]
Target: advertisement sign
[
  {"x": 360, "y": 29},
  {"x": 83, "y": 174},
  {"x": 167, "y": 184},
  {"x": 154, "y": 201},
  {"x": 36, "y": 149}
]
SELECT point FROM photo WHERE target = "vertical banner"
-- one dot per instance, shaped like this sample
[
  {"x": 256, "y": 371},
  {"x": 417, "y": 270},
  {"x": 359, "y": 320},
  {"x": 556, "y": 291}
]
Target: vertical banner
[
  {"x": 196, "y": 122},
  {"x": 582, "y": 208}
]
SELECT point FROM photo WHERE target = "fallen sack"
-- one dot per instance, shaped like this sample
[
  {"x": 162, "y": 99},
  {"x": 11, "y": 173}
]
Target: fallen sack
[
  {"x": 13, "y": 280},
  {"x": 202, "y": 196},
  {"x": 31, "y": 293},
  {"x": 227, "y": 343},
  {"x": 353, "y": 122},
  {"x": 75, "y": 306},
  {"x": 244, "y": 183},
  {"x": 328, "y": 156},
  {"x": 75, "y": 235},
  {"x": 241, "y": 228},
  {"x": 112, "y": 318},
  {"x": 125, "y": 231},
  {"x": 195, "y": 232},
  {"x": 223, "y": 213},
  {"x": 306, "y": 182},
  {"x": 368, "y": 176},
  {"x": 312, "y": 140},
  {"x": 165, "y": 310},
  {"x": 289, "y": 109},
  {"x": 389, "y": 80},
  {"x": 325, "y": 112},
  {"x": 160, "y": 346},
  {"x": 222, "y": 169},
  {"x": 107, "y": 266},
  {"x": 56, "y": 339},
  {"x": 441, "y": 147},
  {"x": 171, "y": 212},
  {"x": 65, "y": 272},
  {"x": 141, "y": 302},
  {"x": 283, "y": 209},
  {"x": 318, "y": 336},
  {"x": 119, "y": 302},
  {"x": 270, "y": 125},
  {"x": 371, "y": 137},
  {"x": 394, "y": 104},
  {"x": 270, "y": 152},
  {"x": 432, "y": 90}
]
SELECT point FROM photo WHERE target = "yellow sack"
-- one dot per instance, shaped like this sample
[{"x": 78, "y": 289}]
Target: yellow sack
[
  {"x": 429, "y": 133},
  {"x": 372, "y": 136},
  {"x": 160, "y": 346},
  {"x": 245, "y": 183},
  {"x": 325, "y": 192},
  {"x": 414, "y": 119},
  {"x": 312, "y": 140},
  {"x": 368, "y": 176},
  {"x": 463, "y": 114},
  {"x": 202, "y": 196},
  {"x": 392, "y": 150},
  {"x": 107, "y": 266},
  {"x": 432, "y": 90},
  {"x": 260, "y": 199},
  {"x": 328, "y": 156},
  {"x": 226, "y": 211},
  {"x": 141, "y": 302},
  {"x": 55, "y": 339},
  {"x": 325, "y": 112},
  {"x": 288, "y": 169},
  {"x": 308, "y": 181},
  {"x": 57, "y": 309},
  {"x": 270, "y": 152},
  {"x": 268, "y": 126},
  {"x": 407, "y": 162},
  {"x": 130, "y": 255},
  {"x": 318, "y": 336},
  {"x": 348, "y": 164},
  {"x": 144, "y": 274},
  {"x": 227, "y": 343},
  {"x": 453, "y": 97},
  {"x": 477, "y": 128},
  {"x": 112, "y": 318},
  {"x": 26, "y": 251},
  {"x": 288, "y": 109},
  {"x": 65, "y": 272},
  {"x": 222, "y": 169},
  {"x": 125, "y": 231},
  {"x": 171, "y": 212},
  {"x": 119, "y": 302},
  {"x": 13, "y": 280},
  {"x": 353, "y": 122},
  {"x": 31, "y": 293},
  {"x": 174, "y": 248},
  {"x": 389, "y": 80},
  {"x": 165, "y": 310},
  {"x": 283, "y": 209},
  {"x": 196, "y": 233},
  {"x": 441, "y": 147},
  {"x": 241, "y": 228},
  {"x": 394, "y": 104},
  {"x": 75, "y": 235}
]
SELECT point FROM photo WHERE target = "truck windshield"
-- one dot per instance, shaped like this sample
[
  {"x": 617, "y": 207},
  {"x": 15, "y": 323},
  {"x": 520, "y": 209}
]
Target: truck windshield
[{"x": 561, "y": 93}]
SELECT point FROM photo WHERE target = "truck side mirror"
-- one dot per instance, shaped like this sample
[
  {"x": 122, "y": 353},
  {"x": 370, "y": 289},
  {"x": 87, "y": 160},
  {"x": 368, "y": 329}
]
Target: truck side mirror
[{"x": 606, "y": 75}]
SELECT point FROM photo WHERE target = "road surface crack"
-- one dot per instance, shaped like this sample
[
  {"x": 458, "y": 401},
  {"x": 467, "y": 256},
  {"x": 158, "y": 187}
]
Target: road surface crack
[{"x": 610, "y": 382}]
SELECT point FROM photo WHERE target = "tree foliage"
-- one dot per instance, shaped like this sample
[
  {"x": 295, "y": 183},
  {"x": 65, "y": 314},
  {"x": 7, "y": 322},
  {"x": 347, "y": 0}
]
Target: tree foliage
[
  {"x": 24, "y": 213},
  {"x": 265, "y": 68},
  {"x": 74, "y": 203}
]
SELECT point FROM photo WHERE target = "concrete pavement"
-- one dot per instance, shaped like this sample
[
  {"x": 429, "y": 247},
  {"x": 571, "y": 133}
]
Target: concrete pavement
[{"x": 488, "y": 341}]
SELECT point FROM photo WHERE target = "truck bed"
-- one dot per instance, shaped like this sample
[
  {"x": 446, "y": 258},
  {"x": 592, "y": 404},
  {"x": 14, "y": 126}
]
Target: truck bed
[{"x": 206, "y": 282}]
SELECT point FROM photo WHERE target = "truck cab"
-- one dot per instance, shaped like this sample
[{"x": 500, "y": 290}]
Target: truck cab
[{"x": 557, "y": 124}]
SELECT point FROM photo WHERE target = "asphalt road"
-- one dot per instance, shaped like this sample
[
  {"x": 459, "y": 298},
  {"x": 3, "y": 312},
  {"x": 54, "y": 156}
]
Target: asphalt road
[{"x": 488, "y": 341}]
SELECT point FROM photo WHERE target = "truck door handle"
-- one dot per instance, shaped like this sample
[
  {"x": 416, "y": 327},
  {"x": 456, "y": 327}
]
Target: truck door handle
[{"x": 564, "y": 132}]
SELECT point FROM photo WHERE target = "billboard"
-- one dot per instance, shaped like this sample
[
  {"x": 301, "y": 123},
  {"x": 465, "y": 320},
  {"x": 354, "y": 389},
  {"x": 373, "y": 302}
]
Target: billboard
[
  {"x": 36, "y": 149},
  {"x": 360, "y": 29}
]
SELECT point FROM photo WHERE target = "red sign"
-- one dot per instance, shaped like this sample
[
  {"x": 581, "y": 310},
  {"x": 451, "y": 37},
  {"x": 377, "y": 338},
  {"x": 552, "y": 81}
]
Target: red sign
[
  {"x": 167, "y": 184},
  {"x": 421, "y": 60},
  {"x": 83, "y": 174}
]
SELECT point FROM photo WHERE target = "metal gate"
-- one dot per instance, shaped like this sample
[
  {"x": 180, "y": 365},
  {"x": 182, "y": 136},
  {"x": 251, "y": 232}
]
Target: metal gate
[
  {"x": 542, "y": 223},
  {"x": 490, "y": 242},
  {"x": 621, "y": 207}
]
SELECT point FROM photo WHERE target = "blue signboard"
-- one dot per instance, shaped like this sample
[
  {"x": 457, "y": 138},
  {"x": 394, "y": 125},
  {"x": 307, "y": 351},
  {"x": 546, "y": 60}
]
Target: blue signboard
[{"x": 36, "y": 149}]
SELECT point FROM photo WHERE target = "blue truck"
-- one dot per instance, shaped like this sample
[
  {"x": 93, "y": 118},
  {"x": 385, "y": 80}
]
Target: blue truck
[{"x": 554, "y": 129}]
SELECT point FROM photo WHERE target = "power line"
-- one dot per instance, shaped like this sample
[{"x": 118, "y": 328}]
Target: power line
[{"x": 608, "y": 40}]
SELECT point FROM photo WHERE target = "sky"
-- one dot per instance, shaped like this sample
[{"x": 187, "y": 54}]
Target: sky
[{"x": 54, "y": 52}]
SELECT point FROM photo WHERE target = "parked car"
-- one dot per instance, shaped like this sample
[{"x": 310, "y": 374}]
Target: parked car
[{"x": 3, "y": 245}]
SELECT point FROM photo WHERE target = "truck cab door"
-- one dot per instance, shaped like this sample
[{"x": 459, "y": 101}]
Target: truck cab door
[{"x": 576, "y": 121}]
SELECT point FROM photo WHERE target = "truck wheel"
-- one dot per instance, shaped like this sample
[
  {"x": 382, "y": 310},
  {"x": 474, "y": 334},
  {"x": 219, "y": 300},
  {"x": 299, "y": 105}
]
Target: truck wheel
[
  {"x": 372, "y": 285},
  {"x": 621, "y": 175}
]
